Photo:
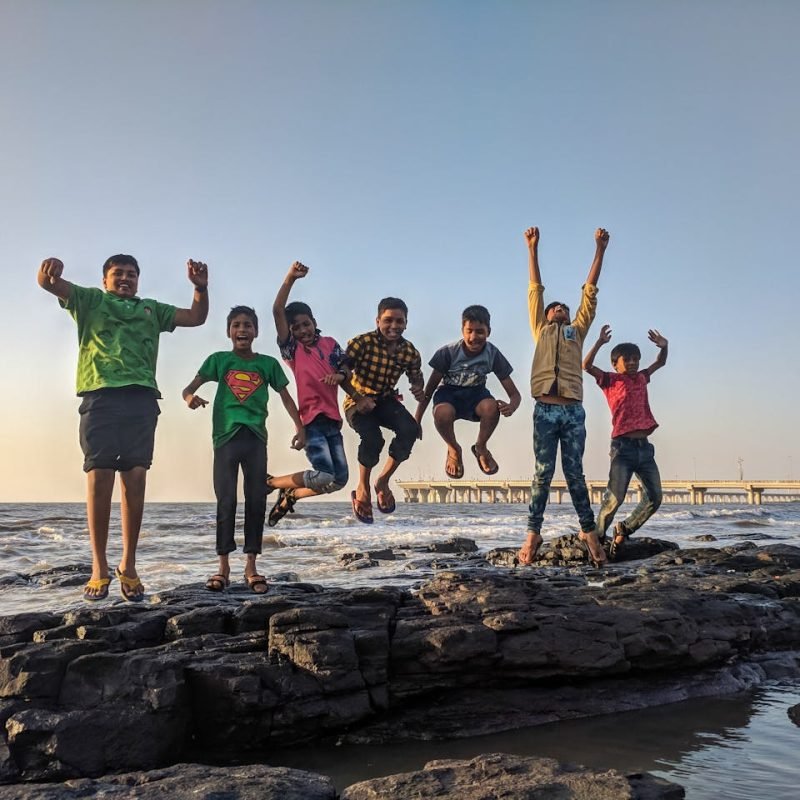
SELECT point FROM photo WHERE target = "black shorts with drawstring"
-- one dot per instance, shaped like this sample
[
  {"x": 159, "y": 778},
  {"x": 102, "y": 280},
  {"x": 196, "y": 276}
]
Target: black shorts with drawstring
[{"x": 118, "y": 428}]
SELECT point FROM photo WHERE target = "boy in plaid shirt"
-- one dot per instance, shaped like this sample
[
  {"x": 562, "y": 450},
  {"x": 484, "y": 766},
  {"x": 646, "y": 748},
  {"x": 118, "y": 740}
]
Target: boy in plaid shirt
[{"x": 377, "y": 359}]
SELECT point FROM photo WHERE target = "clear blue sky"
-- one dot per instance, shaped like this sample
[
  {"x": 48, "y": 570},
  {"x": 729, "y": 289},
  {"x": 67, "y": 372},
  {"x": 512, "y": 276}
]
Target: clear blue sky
[{"x": 401, "y": 148}]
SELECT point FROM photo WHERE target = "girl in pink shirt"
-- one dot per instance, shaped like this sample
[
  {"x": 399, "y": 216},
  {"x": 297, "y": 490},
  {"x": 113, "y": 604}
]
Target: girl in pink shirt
[{"x": 317, "y": 363}]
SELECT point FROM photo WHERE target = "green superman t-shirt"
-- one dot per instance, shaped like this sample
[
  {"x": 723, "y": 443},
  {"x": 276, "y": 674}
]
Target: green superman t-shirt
[
  {"x": 117, "y": 338},
  {"x": 242, "y": 395}
]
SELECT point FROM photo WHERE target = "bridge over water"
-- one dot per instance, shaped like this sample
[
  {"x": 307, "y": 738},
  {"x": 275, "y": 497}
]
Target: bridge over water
[{"x": 689, "y": 492}]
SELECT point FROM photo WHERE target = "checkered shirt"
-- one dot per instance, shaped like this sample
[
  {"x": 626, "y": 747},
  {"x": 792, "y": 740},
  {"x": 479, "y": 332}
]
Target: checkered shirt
[{"x": 375, "y": 370}]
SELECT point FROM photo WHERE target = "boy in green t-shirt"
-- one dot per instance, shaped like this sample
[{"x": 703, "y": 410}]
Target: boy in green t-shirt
[
  {"x": 239, "y": 435},
  {"x": 118, "y": 336}
]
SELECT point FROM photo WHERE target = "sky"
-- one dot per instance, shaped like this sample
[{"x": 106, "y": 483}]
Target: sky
[{"x": 402, "y": 148}]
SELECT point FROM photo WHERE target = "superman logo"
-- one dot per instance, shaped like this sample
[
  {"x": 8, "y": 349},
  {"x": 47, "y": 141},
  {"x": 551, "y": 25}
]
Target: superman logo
[{"x": 242, "y": 384}]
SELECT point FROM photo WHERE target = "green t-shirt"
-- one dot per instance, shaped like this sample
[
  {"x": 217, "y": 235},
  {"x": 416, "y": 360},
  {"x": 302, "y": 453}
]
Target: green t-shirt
[
  {"x": 242, "y": 395},
  {"x": 117, "y": 338}
]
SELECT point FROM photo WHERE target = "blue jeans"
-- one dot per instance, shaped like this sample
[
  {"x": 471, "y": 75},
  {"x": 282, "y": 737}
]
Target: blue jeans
[
  {"x": 554, "y": 424},
  {"x": 630, "y": 457},
  {"x": 325, "y": 451}
]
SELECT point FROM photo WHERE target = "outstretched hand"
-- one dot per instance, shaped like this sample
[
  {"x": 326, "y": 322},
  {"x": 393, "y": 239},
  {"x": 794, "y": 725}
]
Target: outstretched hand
[
  {"x": 532, "y": 237},
  {"x": 198, "y": 273},
  {"x": 52, "y": 268},
  {"x": 657, "y": 339},
  {"x": 601, "y": 238},
  {"x": 297, "y": 271},
  {"x": 605, "y": 335}
]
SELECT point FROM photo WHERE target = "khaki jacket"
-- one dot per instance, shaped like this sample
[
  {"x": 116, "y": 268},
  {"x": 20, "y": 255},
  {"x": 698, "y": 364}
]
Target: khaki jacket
[{"x": 559, "y": 348}]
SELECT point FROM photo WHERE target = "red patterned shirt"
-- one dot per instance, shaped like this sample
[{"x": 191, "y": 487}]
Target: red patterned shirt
[{"x": 627, "y": 399}]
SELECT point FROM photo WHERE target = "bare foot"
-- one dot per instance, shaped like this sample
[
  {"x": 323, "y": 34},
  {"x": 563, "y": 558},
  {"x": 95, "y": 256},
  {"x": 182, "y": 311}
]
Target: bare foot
[
  {"x": 529, "y": 551},
  {"x": 596, "y": 552}
]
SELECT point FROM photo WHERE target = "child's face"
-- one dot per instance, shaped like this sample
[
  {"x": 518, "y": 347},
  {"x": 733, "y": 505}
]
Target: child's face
[
  {"x": 627, "y": 365},
  {"x": 558, "y": 313},
  {"x": 303, "y": 328},
  {"x": 474, "y": 335},
  {"x": 391, "y": 324},
  {"x": 122, "y": 281},
  {"x": 242, "y": 331}
]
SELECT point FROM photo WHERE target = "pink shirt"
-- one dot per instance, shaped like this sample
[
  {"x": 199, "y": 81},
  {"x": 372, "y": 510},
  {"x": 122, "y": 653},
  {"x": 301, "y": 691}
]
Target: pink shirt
[
  {"x": 627, "y": 399},
  {"x": 309, "y": 365}
]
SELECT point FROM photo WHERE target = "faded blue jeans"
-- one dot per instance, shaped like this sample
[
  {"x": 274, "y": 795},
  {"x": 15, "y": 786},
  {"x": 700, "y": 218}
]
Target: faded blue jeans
[
  {"x": 630, "y": 457},
  {"x": 325, "y": 451},
  {"x": 564, "y": 424}
]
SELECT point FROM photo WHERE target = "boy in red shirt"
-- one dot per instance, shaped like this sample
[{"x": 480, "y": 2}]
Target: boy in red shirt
[{"x": 632, "y": 422}]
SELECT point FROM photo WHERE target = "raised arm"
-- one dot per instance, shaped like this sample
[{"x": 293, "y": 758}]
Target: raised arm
[
  {"x": 601, "y": 242},
  {"x": 532, "y": 240},
  {"x": 588, "y": 361},
  {"x": 49, "y": 278},
  {"x": 191, "y": 399},
  {"x": 662, "y": 344},
  {"x": 296, "y": 271},
  {"x": 197, "y": 313}
]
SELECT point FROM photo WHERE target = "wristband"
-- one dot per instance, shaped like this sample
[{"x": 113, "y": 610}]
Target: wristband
[{"x": 201, "y": 289}]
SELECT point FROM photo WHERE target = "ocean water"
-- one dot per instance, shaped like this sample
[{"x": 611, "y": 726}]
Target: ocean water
[
  {"x": 177, "y": 541},
  {"x": 733, "y": 748}
]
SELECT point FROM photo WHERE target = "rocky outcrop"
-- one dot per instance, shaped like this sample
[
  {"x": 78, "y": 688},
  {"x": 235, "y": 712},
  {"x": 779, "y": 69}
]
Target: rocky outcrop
[
  {"x": 498, "y": 775},
  {"x": 482, "y": 778},
  {"x": 199, "y": 676}
]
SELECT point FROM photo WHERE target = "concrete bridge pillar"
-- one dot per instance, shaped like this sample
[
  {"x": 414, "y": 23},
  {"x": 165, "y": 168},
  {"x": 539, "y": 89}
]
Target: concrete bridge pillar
[{"x": 754, "y": 495}]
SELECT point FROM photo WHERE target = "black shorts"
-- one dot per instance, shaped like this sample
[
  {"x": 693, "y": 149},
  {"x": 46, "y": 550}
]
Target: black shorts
[
  {"x": 118, "y": 428},
  {"x": 463, "y": 399}
]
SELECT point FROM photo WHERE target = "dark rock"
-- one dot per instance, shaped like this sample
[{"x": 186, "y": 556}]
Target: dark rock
[
  {"x": 499, "y": 775},
  {"x": 794, "y": 714},
  {"x": 705, "y": 537},
  {"x": 475, "y": 649},
  {"x": 187, "y": 782},
  {"x": 455, "y": 544},
  {"x": 387, "y": 554}
]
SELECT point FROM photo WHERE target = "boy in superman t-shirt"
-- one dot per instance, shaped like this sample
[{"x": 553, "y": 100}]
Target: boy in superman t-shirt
[{"x": 239, "y": 435}]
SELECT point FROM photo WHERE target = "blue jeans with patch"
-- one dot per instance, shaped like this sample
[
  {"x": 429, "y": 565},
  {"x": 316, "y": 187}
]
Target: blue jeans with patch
[
  {"x": 630, "y": 457},
  {"x": 555, "y": 424},
  {"x": 325, "y": 451}
]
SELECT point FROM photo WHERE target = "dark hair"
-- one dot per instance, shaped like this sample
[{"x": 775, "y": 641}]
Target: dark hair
[
  {"x": 295, "y": 309},
  {"x": 476, "y": 314},
  {"x": 392, "y": 302},
  {"x": 625, "y": 349},
  {"x": 120, "y": 260},
  {"x": 236, "y": 310},
  {"x": 553, "y": 305}
]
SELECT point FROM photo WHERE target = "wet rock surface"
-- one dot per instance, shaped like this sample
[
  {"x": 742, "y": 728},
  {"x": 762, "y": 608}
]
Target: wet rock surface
[
  {"x": 195, "y": 676},
  {"x": 483, "y": 778},
  {"x": 498, "y": 775}
]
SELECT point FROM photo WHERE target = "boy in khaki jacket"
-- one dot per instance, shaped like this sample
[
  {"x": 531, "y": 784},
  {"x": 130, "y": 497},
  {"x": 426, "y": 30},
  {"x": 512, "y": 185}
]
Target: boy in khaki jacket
[{"x": 557, "y": 387}]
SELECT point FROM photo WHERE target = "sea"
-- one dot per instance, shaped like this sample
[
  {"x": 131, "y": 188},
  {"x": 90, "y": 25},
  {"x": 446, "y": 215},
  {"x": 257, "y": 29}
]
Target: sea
[{"x": 741, "y": 746}]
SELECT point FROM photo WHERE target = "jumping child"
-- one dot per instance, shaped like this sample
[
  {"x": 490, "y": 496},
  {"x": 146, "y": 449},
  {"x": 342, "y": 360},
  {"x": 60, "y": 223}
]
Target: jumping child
[
  {"x": 317, "y": 364},
  {"x": 461, "y": 368},
  {"x": 239, "y": 435},
  {"x": 557, "y": 387},
  {"x": 377, "y": 359},
  {"x": 118, "y": 336},
  {"x": 632, "y": 422}
]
